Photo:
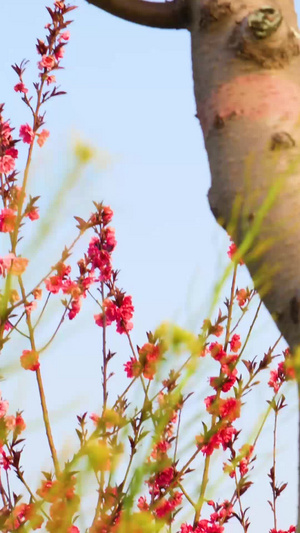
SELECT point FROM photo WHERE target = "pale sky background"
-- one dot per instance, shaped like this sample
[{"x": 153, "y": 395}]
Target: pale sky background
[{"x": 130, "y": 95}]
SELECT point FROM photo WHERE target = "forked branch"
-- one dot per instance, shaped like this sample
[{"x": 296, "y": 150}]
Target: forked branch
[{"x": 168, "y": 15}]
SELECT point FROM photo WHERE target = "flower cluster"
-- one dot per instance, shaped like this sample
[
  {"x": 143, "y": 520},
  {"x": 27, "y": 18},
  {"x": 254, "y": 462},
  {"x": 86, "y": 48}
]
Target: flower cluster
[
  {"x": 164, "y": 494},
  {"x": 63, "y": 500},
  {"x": 284, "y": 372},
  {"x": 222, "y": 513},
  {"x": 8, "y": 151},
  {"x": 51, "y": 51},
  {"x": 146, "y": 364},
  {"x": 95, "y": 268}
]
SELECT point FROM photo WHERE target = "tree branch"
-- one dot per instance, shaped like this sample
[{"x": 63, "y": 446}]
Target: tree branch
[{"x": 168, "y": 15}]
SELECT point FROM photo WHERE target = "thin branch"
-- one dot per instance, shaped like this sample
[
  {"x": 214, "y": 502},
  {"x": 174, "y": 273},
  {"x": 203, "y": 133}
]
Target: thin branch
[{"x": 166, "y": 15}]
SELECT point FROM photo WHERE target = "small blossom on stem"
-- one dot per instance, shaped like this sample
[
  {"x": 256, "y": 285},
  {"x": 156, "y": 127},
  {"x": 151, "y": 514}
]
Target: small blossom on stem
[
  {"x": 7, "y": 220},
  {"x": 42, "y": 137},
  {"x": 26, "y": 133},
  {"x": 47, "y": 62},
  {"x": 20, "y": 88},
  {"x": 30, "y": 360}
]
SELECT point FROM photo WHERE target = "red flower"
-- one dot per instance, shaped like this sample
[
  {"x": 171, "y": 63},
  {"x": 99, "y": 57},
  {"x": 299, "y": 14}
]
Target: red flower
[
  {"x": 13, "y": 152},
  {"x": 54, "y": 284},
  {"x": 107, "y": 214},
  {"x": 65, "y": 36},
  {"x": 20, "y": 88},
  {"x": 133, "y": 368},
  {"x": 235, "y": 343},
  {"x": 5, "y": 460},
  {"x": 242, "y": 296},
  {"x": 232, "y": 251},
  {"x": 207, "y": 447},
  {"x": 7, "y": 220},
  {"x": 47, "y": 62},
  {"x": 216, "y": 351},
  {"x": 30, "y": 360},
  {"x": 7, "y": 163},
  {"x": 110, "y": 240},
  {"x": 75, "y": 308},
  {"x": 229, "y": 409},
  {"x": 164, "y": 478},
  {"x": 166, "y": 507},
  {"x": 148, "y": 356},
  {"x": 142, "y": 504},
  {"x": 124, "y": 315},
  {"x": 160, "y": 448},
  {"x": 33, "y": 214},
  {"x": 26, "y": 133},
  {"x": 42, "y": 137},
  {"x": 19, "y": 424}
]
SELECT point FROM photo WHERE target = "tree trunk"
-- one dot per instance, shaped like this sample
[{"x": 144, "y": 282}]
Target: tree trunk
[{"x": 246, "y": 68}]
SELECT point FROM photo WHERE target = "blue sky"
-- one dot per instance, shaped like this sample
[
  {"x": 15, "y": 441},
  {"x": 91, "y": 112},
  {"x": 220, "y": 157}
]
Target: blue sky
[{"x": 130, "y": 95}]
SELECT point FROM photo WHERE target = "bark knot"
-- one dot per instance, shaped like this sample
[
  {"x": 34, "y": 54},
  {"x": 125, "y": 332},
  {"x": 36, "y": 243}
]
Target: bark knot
[
  {"x": 264, "y": 21},
  {"x": 264, "y": 37},
  {"x": 282, "y": 141}
]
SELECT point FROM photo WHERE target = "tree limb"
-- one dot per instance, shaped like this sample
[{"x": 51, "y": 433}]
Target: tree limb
[{"x": 168, "y": 15}]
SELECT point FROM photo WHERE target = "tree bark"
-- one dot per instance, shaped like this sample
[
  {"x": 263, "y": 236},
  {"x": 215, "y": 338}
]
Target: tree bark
[
  {"x": 246, "y": 68},
  {"x": 167, "y": 15}
]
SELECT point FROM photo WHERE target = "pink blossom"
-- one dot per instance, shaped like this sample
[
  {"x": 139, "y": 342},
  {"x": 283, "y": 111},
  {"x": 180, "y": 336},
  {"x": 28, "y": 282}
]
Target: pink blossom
[
  {"x": 26, "y": 133},
  {"x": 20, "y": 88},
  {"x": 60, "y": 4},
  {"x": 6, "y": 133},
  {"x": 16, "y": 265},
  {"x": 3, "y": 408},
  {"x": 142, "y": 504},
  {"x": 33, "y": 214},
  {"x": 30, "y": 307},
  {"x": 235, "y": 343},
  {"x": 7, "y": 164},
  {"x": 107, "y": 215},
  {"x": 42, "y": 137},
  {"x": 110, "y": 240},
  {"x": 54, "y": 284},
  {"x": 5, "y": 461},
  {"x": 10, "y": 422},
  {"x": 65, "y": 36},
  {"x": 125, "y": 313},
  {"x": 46, "y": 62},
  {"x": 13, "y": 152},
  {"x": 7, "y": 220},
  {"x": 30, "y": 360},
  {"x": 59, "y": 52},
  {"x": 50, "y": 79},
  {"x": 75, "y": 308},
  {"x": 95, "y": 418},
  {"x": 132, "y": 368}
]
